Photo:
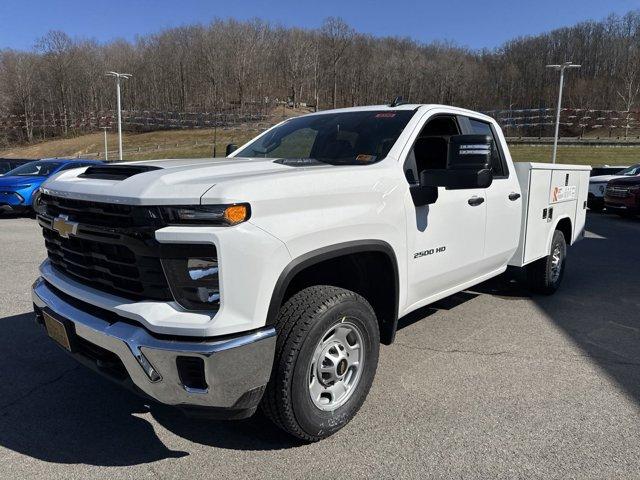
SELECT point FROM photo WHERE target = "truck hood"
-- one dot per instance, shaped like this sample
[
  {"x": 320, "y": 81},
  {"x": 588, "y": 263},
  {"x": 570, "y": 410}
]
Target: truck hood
[
  {"x": 626, "y": 181},
  {"x": 168, "y": 182}
]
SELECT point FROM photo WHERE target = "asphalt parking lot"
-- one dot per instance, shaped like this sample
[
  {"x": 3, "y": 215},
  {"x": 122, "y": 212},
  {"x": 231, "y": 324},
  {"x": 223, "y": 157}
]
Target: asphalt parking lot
[{"x": 490, "y": 383}]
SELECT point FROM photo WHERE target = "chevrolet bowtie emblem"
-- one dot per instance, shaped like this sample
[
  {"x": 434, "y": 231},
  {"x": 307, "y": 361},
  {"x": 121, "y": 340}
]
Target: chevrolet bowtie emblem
[{"x": 64, "y": 226}]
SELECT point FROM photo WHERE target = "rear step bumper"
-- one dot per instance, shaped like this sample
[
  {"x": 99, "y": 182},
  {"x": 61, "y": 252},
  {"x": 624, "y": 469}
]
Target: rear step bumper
[{"x": 221, "y": 377}]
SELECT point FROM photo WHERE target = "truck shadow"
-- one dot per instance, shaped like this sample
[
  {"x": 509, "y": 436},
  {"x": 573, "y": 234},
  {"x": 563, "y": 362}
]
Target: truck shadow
[
  {"x": 55, "y": 410},
  {"x": 598, "y": 304},
  {"x": 444, "y": 304}
]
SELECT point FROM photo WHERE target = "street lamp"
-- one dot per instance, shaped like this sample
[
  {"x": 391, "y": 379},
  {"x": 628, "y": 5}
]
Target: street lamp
[
  {"x": 118, "y": 76},
  {"x": 106, "y": 149},
  {"x": 562, "y": 68}
]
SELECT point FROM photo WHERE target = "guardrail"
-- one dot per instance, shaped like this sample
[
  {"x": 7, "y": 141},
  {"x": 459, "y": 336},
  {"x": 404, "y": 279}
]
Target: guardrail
[{"x": 597, "y": 141}]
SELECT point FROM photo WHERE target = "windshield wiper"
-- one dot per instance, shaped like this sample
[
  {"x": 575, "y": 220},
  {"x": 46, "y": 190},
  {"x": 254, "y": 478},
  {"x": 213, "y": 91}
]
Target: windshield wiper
[{"x": 298, "y": 162}]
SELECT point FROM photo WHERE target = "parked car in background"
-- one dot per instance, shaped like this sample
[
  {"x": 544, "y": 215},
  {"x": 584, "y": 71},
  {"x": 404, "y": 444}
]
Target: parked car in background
[
  {"x": 7, "y": 164},
  {"x": 606, "y": 170},
  {"x": 622, "y": 195},
  {"x": 18, "y": 187},
  {"x": 598, "y": 184}
]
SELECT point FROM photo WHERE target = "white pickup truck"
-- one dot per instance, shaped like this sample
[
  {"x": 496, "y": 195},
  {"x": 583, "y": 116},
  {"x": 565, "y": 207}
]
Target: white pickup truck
[{"x": 269, "y": 278}]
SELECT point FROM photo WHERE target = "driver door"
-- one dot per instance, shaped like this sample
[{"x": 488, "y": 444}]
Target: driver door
[{"x": 446, "y": 238}]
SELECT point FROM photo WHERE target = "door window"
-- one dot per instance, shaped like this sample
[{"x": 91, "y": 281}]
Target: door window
[
  {"x": 497, "y": 163},
  {"x": 430, "y": 148}
]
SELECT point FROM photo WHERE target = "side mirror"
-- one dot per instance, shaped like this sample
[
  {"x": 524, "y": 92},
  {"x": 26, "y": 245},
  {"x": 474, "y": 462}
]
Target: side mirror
[
  {"x": 423, "y": 195},
  {"x": 231, "y": 147},
  {"x": 468, "y": 164}
]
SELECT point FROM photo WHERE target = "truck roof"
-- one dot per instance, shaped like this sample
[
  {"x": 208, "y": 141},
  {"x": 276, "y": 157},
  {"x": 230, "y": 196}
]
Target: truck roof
[{"x": 404, "y": 107}]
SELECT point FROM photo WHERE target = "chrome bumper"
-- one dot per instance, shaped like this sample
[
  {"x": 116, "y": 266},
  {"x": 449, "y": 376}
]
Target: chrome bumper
[{"x": 236, "y": 369}]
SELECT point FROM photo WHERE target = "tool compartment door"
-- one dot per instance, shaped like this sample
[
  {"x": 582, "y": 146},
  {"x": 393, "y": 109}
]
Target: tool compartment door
[{"x": 537, "y": 225}]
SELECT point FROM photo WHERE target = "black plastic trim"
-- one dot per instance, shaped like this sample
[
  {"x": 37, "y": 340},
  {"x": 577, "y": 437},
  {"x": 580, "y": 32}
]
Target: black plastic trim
[
  {"x": 326, "y": 253},
  {"x": 115, "y": 172}
]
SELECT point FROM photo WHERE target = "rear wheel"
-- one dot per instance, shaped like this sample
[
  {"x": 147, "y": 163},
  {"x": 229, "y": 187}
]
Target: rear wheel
[
  {"x": 545, "y": 275},
  {"x": 326, "y": 358}
]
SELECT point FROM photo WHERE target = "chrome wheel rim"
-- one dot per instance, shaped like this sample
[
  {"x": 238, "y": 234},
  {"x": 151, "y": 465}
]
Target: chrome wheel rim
[
  {"x": 556, "y": 264},
  {"x": 336, "y": 366}
]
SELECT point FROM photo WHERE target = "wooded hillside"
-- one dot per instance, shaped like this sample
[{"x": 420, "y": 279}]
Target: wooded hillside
[{"x": 246, "y": 67}]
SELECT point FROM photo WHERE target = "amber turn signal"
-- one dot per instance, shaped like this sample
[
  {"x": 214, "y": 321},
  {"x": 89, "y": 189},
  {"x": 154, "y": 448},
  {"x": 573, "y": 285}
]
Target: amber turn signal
[{"x": 236, "y": 214}]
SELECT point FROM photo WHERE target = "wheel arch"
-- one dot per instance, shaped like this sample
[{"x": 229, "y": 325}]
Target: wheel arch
[
  {"x": 385, "y": 306},
  {"x": 565, "y": 226}
]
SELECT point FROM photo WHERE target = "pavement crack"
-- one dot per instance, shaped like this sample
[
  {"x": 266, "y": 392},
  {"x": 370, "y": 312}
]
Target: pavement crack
[
  {"x": 457, "y": 350},
  {"x": 35, "y": 388},
  {"x": 506, "y": 353},
  {"x": 155, "y": 473}
]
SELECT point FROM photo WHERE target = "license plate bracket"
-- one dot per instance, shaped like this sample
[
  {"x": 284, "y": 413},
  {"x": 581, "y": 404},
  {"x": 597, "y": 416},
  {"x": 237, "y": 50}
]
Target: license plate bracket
[{"x": 60, "y": 330}]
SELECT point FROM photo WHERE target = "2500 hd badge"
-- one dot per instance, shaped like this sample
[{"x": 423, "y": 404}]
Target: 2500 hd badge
[{"x": 431, "y": 251}]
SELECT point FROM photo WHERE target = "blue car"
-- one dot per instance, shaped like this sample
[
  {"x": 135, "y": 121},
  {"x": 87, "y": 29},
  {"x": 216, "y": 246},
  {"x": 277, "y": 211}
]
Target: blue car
[{"x": 19, "y": 186}]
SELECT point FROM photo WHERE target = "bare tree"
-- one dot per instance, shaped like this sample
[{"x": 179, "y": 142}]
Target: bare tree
[{"x": 337, "y": 36}]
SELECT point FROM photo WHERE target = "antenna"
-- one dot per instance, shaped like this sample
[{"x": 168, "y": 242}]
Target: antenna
[{"x": 399, "y": 100}]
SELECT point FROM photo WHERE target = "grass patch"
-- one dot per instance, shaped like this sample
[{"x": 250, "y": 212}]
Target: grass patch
[
  {"x": 581, "y": 155},
  {"x": 198, "y": 144}
]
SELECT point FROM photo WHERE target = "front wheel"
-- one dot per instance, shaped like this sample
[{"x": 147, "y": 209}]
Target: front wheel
[
  {"x": 326, "y": 357},
  {"x": 545, "y": 275}
]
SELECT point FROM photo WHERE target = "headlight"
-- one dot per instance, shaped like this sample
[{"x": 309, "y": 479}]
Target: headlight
[
  {"x": 207, "y": 214},
  {"x": 194, "y": 279}
]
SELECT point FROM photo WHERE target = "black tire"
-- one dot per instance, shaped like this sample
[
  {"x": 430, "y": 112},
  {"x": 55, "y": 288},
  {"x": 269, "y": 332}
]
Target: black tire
[
  {"x": 540, "y": 273},
  {"x": 35, "y": 200},
  {"x": 301, "y": 325}
]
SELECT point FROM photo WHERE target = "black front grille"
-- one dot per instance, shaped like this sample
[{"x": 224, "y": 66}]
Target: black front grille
[
  {"x": 111, "y": 215},
  {"x": 619, "y": 192},
  {"x": 113, "y": 248}
]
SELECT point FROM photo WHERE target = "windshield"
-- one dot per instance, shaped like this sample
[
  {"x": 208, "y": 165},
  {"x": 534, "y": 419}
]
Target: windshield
[
  {"x": 631, "y": 171},
  {"x": 336, "y": 138},
  {"x": 35, "y": 169}
]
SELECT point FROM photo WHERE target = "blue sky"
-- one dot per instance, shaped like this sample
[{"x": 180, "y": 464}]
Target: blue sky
[{"x": 472, "y": 23}]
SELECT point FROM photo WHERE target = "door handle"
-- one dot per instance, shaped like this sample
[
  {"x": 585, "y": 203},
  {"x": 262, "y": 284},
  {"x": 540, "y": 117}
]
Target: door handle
[
  {"x": 475, "y": 201},
  {"x": 513, "y": 196}
]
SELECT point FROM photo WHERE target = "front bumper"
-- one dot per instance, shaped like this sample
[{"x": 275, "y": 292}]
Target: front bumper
[
  {"x": 235, "y": 369},
  {"x": 630, "y": 204},
  {"x": 12, "y": 200}
]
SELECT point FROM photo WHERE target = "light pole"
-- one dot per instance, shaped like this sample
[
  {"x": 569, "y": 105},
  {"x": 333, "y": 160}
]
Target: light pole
[
  {"x": 106, "y": 149},
  {"x": 562, "y": 68},
  {"x": 118, "y": 76}
]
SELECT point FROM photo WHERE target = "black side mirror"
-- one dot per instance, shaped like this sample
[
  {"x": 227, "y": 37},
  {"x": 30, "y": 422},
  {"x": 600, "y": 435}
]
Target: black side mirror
[
  {"x": 231, "y": 147},
  {"x": 423, "y": 195},
  {"x": 468, "y": 164}
]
